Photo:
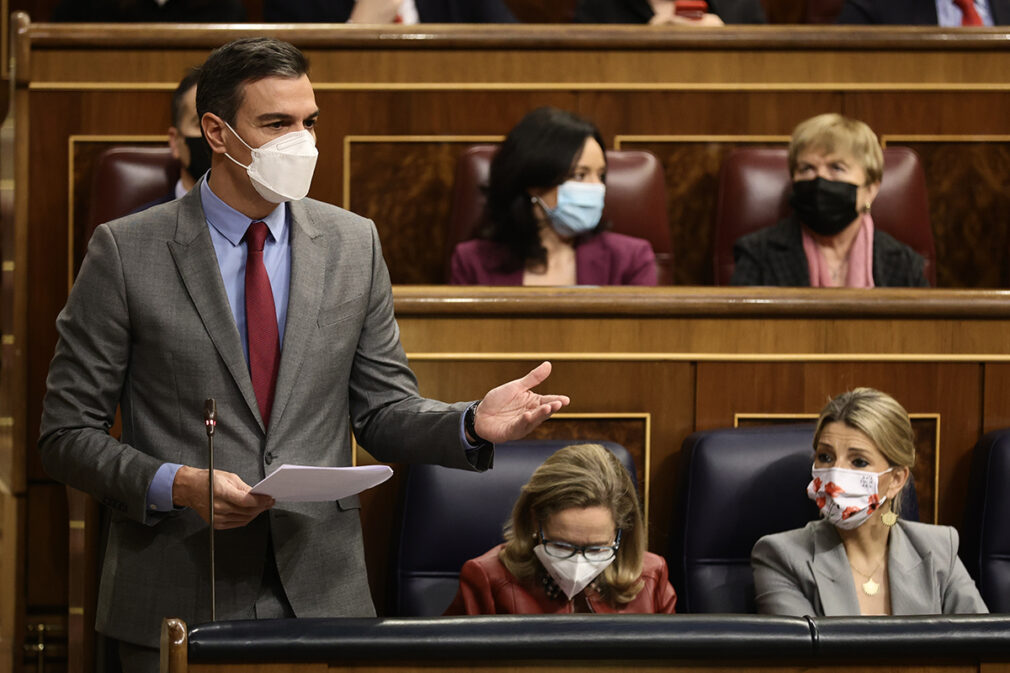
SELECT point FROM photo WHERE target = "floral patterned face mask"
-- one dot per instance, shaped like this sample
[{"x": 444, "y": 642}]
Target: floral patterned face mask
[{"x": 846, "y": 498}]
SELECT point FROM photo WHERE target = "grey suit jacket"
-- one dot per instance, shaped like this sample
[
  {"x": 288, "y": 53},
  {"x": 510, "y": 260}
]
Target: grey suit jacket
[
  {"x": 148, "y": 327},
  {"x": 806, "y": 572}
]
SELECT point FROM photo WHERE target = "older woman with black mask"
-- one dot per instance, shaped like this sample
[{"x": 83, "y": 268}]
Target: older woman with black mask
[{"x": 836, "y": 165}]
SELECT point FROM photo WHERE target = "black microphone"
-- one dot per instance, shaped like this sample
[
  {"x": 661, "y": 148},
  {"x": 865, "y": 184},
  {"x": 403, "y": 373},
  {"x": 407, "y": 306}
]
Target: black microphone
[{"x": 210, "y": 422}]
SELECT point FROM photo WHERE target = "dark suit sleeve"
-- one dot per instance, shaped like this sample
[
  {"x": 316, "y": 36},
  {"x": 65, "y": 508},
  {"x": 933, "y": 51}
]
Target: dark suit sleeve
[
  {"x": 738, "y": 11},
  {"x": 859, "y": 12},
  {"x": 609, "y": 11},
  {"x": 490, "y": 11}
]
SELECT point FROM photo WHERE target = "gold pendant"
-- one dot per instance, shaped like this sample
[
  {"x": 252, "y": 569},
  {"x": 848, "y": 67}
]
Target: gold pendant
[{"x": 870, "y": 587}]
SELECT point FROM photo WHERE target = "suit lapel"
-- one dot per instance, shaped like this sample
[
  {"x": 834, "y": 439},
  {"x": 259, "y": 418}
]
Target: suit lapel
[
  {"x": 308, "y": 271},
  {"x": 830, "y": 568},
  {"x": 194, "y": 257},
  {"x": 910, "y": 576}
]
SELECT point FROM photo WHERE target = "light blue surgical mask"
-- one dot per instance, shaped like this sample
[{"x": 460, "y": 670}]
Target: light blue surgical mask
[{"x": 579, "y": 209}]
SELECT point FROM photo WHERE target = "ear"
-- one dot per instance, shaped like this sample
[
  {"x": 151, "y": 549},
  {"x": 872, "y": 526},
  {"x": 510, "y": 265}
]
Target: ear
[
  {"x": 214, "y": 131},
  {"x": 899, "y": 477},
  {"x": 174, "y": 140},
  {"x": 871, "y": 193}
]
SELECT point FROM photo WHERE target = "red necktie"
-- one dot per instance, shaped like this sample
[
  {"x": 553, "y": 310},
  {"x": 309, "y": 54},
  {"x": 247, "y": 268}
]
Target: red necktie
[
  {"x": 969, "y": 17},
  {"x": 260, "y": 321}
]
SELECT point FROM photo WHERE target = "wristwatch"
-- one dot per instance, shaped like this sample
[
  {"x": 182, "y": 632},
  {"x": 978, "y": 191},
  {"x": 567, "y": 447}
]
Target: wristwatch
[{"x": 469, "y": 421}]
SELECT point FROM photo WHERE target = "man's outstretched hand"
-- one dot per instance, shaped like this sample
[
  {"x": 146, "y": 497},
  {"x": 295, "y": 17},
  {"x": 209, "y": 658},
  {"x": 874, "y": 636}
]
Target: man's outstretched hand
[{"x": 512, "y": 410}]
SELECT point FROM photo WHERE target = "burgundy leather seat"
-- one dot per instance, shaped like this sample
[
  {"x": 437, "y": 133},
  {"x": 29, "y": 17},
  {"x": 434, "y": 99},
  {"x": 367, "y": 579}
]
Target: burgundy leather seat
[
  {"x": 635, "y": 205},
  {"x": 126, "y": 178},
  {"x": 754, "y": 185}
]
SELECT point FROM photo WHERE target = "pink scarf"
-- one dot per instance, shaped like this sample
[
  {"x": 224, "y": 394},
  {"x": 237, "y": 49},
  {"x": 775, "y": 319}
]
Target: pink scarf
[{"x": 860, "y": 272}]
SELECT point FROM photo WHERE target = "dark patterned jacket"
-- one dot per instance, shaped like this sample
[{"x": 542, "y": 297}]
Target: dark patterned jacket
[{"x": 774, "y": 256}]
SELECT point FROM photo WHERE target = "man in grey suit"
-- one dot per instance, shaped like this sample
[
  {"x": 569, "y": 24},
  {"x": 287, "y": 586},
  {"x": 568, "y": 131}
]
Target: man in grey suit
[{"x": 278, "y": 307}]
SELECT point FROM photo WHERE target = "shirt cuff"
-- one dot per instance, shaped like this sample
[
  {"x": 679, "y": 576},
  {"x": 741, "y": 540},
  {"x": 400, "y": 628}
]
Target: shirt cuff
[{"x": 159, "y": 493}]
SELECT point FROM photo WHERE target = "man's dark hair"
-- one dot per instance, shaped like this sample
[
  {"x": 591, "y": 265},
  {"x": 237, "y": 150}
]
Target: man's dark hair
[
  {"x": 230, "y": 67},
  {"x": 187, "y": 83}
]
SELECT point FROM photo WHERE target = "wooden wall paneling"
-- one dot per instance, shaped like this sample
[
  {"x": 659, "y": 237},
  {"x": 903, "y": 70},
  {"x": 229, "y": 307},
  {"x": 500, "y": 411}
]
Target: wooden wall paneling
[
  {"x": 996, "y": 397},
  {"x": 950, "y": 390},
  {"x": 12, "y": 573},
  {"x": 405, "y": 186},
  {"x": 968, "y": 181}
]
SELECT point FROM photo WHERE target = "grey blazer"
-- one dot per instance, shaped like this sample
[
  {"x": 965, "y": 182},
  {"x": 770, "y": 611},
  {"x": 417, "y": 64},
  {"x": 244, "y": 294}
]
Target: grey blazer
[
  {"x": 148, "y": 327},
  {"x": 806, "y": 572}
]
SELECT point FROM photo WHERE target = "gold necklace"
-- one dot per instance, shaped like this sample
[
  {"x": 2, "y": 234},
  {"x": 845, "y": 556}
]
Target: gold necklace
[{"x": 870, "y": 588}]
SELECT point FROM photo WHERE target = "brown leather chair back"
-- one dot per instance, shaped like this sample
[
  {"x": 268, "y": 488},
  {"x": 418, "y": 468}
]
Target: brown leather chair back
[
  {"x": 126, "y": 178},
  {"x": 754, "y": 185},
  {"x": 635, "y": 205}
]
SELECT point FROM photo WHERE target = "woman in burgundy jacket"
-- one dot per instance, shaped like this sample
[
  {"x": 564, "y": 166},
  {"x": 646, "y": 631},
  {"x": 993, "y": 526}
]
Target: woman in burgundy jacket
[
  {"x": 575, "y": 543},
  {"x": 543, "y": 215}
]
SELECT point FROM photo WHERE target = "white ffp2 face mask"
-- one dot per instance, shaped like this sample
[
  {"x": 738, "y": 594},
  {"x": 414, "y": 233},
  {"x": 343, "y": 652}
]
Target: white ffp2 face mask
[
  {"x": 572, "y": 574},
  {"x": 281, "y": 170},
  {"x": 846, "y": 498}
]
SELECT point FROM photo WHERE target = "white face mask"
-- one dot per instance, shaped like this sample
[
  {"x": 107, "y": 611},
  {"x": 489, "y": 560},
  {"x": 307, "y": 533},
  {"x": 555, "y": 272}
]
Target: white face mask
[
  {"x": 281, "y": 170},
  {"x": 572, "y": 574},
  {"x": 846, "y": 498}
]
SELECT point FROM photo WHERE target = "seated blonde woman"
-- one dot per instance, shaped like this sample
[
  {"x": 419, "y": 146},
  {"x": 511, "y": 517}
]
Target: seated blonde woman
[
  {"x": 836, "y": 165},
  {"x": 575, "y": 543},
  {"x": 860, "y": 559}
]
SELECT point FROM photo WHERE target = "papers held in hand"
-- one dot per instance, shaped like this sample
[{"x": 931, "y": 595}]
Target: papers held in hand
[{"x": 302, "y": 483}]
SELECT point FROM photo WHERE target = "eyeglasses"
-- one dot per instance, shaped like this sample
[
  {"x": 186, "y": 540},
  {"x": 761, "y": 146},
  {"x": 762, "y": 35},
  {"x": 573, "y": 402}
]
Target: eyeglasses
[{"x": 593, "y": 552}]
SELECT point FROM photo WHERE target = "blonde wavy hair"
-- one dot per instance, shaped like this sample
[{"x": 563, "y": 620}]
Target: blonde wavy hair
[
  {"x": 881, "y": 418},
  {"x": 835, "y": 133},
  {"x": 579, "y": 476}
]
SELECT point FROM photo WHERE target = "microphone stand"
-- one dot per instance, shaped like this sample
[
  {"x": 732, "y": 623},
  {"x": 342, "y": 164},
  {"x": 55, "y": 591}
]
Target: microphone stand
[{"x": 210, "y": 421}]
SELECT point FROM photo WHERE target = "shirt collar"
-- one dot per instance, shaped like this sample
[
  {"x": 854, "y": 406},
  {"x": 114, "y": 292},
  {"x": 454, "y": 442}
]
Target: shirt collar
[{"x": 232, "y": 224}]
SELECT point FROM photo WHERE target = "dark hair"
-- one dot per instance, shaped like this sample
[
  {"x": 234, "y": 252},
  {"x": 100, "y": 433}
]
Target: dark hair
[
  {"x": 187, "y": 83},
  {"x": 230, "y": 67},
  {"x": 539, "y": 152}
]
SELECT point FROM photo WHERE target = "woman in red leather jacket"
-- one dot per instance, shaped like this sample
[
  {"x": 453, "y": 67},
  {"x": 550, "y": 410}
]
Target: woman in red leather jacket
[{"x": 575, "y": 543}]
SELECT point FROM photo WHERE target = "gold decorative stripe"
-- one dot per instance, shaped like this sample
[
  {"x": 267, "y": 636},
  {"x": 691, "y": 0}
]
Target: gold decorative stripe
[
  {"x": 7, "y": 266},
  {"x": 715, "y": 357},
  {"x": 75, "y": 611},
  {"x": 7, "y": 339},
  {"x": 6, "y": 421},
  {"x": 565, "y": 86},
  {"x": 7, "y": 183},
  {"x": 76, "y": 524}
]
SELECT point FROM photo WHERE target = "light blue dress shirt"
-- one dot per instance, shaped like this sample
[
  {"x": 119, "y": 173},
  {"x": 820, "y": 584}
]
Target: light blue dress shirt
[
  {"x": 227, "y": 227},
  {"x": 948, "y": 14}
]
